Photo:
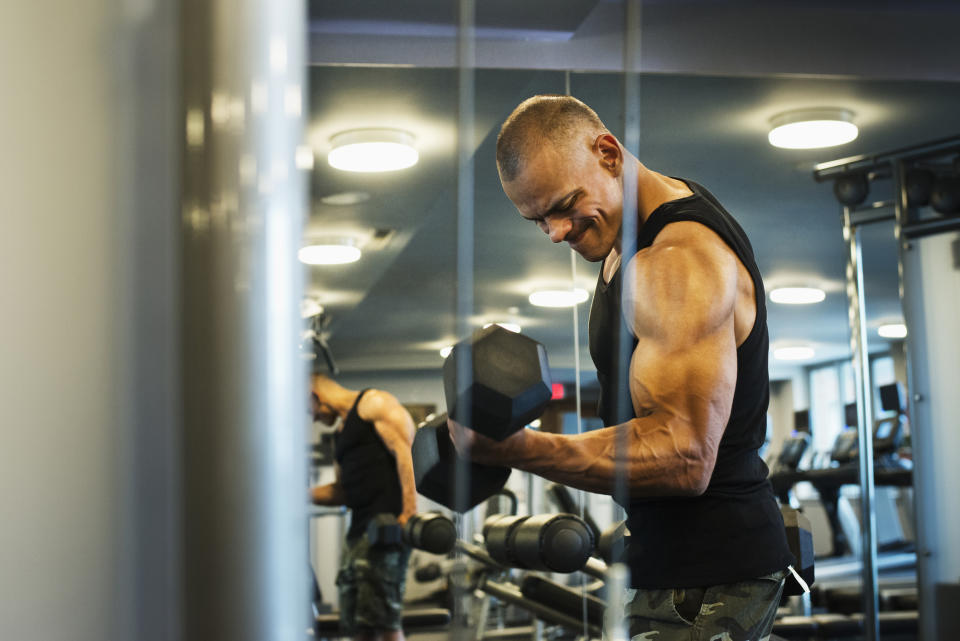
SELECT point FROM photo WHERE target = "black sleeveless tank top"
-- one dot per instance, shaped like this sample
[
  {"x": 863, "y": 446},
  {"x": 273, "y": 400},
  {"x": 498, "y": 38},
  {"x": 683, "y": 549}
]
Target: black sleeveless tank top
[
  {"x": 734, "y": 530},
  {"x": 368, "y": 471}
]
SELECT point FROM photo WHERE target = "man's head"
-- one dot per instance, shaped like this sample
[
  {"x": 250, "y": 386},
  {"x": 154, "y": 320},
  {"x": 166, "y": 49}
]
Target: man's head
[
  {"x": 563, "y": 170},
  {"x": 324, "y": 399}
]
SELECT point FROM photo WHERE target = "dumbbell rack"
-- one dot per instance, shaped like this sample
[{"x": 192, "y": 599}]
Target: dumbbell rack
[{"x": 492, "y": 578}]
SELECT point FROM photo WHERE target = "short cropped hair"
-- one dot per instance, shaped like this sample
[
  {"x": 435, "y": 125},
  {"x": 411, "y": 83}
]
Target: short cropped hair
[{"x": 550, "y": 119}]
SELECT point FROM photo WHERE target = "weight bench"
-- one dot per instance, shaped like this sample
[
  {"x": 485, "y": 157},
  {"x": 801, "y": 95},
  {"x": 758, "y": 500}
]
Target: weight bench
[{"x": 418, "y": 620}]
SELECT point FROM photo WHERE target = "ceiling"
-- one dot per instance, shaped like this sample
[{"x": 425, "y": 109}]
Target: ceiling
[{"x": 713, "y": 73}]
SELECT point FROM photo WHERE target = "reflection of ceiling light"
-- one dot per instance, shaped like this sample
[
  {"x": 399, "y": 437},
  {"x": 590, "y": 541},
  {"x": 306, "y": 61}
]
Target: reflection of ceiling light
[
  {"x": 797, "y": 353},
  {"x": 513, "y": 327},
  {"x": 303, "y": 157},
  {"x": 812, "y": 128},
  {"x": 445, "y": 351},
  {"x": 345, "y": 198},
  {"x": 372, "y": 150},
  {"x": 797, "y": 295},
  {"x": 333, "y": 253},
  {"x": 893, "y": 330},
  {"x": 558, "y": 297},
  {"x": 310, "y": 307}
]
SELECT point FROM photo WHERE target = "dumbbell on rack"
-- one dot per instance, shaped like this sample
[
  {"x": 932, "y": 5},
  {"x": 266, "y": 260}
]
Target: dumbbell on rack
[
  {"x": 545, "y": 542},
  {"x": 495, "y": 382},
  {"x": 428, "y": 531}
]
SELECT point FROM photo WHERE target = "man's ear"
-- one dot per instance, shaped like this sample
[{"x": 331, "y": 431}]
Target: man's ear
[{"x": 608, "y": 148}]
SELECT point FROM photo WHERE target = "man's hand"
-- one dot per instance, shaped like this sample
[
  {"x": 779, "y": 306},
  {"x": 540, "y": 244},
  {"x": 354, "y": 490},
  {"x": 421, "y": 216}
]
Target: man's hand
[{"x": 482, "y": 449}]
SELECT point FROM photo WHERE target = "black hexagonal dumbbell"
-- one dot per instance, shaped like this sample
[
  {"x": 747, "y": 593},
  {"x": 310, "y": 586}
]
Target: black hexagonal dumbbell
[
  {"x": 428, "y": 531},
  {"x": 800, "y": 540},
  {"x": 495, "y": 382},
  {"x": 435, "y": 463}
]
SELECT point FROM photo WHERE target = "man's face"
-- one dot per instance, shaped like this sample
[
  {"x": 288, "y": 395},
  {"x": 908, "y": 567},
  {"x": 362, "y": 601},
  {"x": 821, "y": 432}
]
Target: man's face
[
  {"x": 571, "y": 196},
  {"x": 322, "y": 411}
]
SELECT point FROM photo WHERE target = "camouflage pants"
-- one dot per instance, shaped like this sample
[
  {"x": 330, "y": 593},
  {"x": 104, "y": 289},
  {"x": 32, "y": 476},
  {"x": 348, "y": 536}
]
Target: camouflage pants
[
  {"x": 742, "y": 611},
  {"x": 371, "y": 582}
]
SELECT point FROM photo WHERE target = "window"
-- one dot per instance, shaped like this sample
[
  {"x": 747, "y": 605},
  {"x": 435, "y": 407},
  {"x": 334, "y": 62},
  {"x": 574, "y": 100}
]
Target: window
[
  {"x": 881, "y": 373},
  {"x": 826, "y": 408}
]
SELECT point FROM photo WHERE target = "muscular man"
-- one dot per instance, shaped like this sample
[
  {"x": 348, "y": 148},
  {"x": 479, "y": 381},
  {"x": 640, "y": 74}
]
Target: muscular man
[
  {"x": 374, "y": 474},
  {"x": 708, "y": 551}
]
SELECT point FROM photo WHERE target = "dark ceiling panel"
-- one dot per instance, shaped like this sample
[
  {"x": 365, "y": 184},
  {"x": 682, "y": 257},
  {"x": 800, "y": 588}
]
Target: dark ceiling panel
[
  {"x": 709, "y": 129},
  {"x": 508, "y": 15}
]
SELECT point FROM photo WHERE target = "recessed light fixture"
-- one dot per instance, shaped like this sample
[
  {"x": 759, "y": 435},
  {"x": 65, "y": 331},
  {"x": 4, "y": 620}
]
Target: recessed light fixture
[
  {"x": 445, "y": 351},
  {"x": 513, "y": 327},
  {"x": 893, "y": 330},
  {"x": 797, "y": 295},
  {"x": 345, "y": 198},
  {"x": 372, "y": 150},
  {"x": 558, "y": 297},
  {"x": 812, "y": 128},
  {"x": 333, "y": 252},
  {"x": 794, "y": 353}
]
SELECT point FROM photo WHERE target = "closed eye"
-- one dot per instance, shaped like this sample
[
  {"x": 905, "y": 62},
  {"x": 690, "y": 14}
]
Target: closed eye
[{"x": 560, "y": 208}]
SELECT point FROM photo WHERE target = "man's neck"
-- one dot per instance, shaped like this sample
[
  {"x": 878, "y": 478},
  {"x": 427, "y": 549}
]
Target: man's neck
[
  {"x": 655, "y": 189},
  {"x": 611, "y": 264}
]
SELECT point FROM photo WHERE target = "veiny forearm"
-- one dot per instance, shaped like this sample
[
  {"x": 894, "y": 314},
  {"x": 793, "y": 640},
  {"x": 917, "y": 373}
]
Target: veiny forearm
[
  {"x": 329, "y": 494},
  {"x": 408, "y": 485},
  {"x": 657, "y": 460}
]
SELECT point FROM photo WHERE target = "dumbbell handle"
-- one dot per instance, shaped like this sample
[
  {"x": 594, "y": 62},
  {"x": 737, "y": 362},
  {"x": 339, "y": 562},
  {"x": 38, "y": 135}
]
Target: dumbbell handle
[{"x": 478, "y": 553}]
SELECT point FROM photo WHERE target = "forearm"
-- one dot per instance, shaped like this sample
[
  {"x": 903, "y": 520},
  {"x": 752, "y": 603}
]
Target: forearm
[
  {"x": 408, "y": 485},
  {"x": 645, "y": 454},
  {"x": 329, "y": 494}
]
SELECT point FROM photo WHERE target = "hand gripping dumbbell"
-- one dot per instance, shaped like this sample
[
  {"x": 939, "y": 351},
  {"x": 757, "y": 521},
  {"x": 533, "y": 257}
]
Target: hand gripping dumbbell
[
  {"x": 428, "y": 531},
  {"x": 494, "y": 382},
  {"x": 545, "y": 542}
]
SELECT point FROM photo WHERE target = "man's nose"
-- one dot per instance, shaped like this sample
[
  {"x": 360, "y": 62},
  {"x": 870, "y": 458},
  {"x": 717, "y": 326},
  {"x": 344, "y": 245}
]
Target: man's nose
[{"x": 557, "y": 229}]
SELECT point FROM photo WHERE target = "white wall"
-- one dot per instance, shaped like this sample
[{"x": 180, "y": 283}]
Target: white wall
[{"x": 931, "y": 307}]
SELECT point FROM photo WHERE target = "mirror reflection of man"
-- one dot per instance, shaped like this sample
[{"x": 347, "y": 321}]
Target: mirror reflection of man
[{"x": 373, "y": 475}]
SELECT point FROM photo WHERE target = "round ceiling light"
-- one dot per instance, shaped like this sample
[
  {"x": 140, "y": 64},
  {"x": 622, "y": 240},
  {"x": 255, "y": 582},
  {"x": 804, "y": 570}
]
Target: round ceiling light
[
  {"x": 372, "y": 150},
  {"x": 893, "y": 330},
  {"x": 797, "y": 295},
  {"x": 812, "y": 128},
  {"x": 558, "y": 297},
  {"x": 513, "y": 327},
  {"x": 339, "y": 253},
  {"x": 795, "y": 353},
  {"x": 445, "y": 351},
  {"x": 345, "y": 198}
]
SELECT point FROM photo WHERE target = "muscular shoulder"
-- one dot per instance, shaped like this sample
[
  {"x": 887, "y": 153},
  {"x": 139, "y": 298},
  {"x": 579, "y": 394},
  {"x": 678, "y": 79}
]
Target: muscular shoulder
[
  {"x": 375, "y": 403},
  {"x": 684, "y": 283},
  {"x": 383, "y": 408}
]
